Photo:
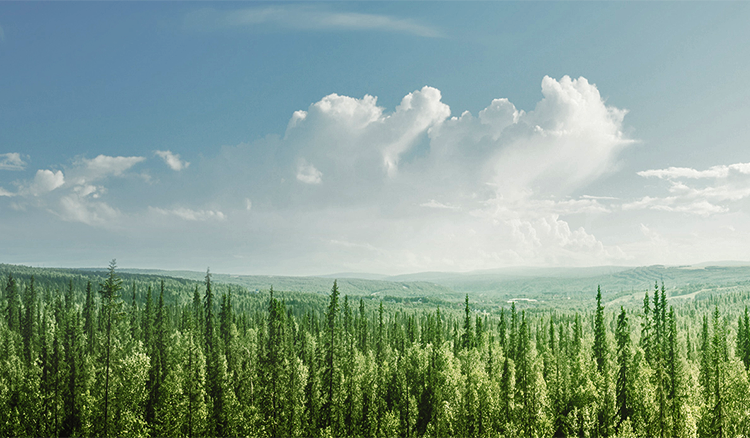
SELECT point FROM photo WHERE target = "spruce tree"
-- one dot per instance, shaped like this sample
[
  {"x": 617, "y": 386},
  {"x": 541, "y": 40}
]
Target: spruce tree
[
  {"x": 13, "y": 309},
  {"x": 362, "y": 327},
  {"x": 624, "y": 357},
  {"x": 467, "y": 340},
  {"x": 600, "y": 334},
  {"x": 29, "y": 322},
  {"x": 217, "y": 421},
  {"x": 330, "y": 362},
  {"x": 110, "y": 295},
  {"x": 89, "y": 319}
]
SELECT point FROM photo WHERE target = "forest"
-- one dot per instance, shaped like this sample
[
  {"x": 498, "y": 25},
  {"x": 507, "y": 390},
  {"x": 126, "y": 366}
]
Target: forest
[{"x": 115, "y": 354}]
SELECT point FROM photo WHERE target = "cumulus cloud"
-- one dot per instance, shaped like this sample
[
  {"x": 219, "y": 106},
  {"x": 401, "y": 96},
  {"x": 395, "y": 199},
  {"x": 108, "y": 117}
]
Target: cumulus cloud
[
  {"x": 173, "y": 160},
  {"x": 11, "y": 160},
  {"x": 406, "y": 189},
  {"x": 75, "y": 195},
  {"x": 308, "y": 174},
  {"x": 191, "y": 215},
  {"x": 45, "y": 181},
  {"x": 508, "y": 177},
  {"x": 304, "y": 17}
]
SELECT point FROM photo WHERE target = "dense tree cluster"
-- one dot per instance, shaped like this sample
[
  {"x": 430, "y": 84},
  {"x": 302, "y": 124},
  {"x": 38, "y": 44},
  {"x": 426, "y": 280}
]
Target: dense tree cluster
[{"x": 110, "y": 359}]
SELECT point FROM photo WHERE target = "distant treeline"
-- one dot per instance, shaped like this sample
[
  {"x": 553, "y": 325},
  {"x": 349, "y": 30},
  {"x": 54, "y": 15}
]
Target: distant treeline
[{"x": 101, "y": 354}]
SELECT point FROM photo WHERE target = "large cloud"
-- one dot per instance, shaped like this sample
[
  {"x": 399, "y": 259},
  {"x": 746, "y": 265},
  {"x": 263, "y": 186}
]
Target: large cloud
[
  {"x": 353, "y": 186},
  {"x": 443, "y": 192}
]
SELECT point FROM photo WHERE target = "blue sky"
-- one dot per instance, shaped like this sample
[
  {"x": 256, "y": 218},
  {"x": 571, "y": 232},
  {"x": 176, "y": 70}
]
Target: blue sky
[{"x": 287, "y": 138}]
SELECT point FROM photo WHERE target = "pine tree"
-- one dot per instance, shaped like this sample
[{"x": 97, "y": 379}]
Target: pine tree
[
  {"x": 600, "y": 335},
  {"x": 646, "y": 329},
  {"x": 273, "y": 366},
  {"x": 502, "y": 331},
  {"x": 29, "y": 322},
  {"x": 148, "y": 322},
  {"x": 75, "y": 385},
  {"x": 330, "y": 362},
  {"x": 13, "y": 309},
  {"x": 467, "y": 340},
  {"x": 89, "y": 319},
  {"x": 135, "y": 329},
  {"x": 743, "y": 339},
  {"x": 529, "y": 392},
  {"x": 624, "y": 357},
  {"x": 362, "y": 328},
  {"x": 513, "y": 335},
  {"x": 217, "y": 420},
  {"x": 110, "y": 295},
  {"x": 675, "y": 376}
]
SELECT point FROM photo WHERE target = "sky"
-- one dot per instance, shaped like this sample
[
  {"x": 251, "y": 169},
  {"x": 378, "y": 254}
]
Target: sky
[{"x": 381, "y": 137}]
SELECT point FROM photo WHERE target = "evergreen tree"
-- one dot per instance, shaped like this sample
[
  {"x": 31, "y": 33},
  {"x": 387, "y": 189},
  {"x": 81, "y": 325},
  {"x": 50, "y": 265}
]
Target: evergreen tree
[
  {"x": 330, "y": 380},
  {"x": 76, "y": 383},
  {"x": 13, "y": 309},
  {"x": 29, "y": 322},
  {"x": 600, "y": 335},
  {"x": 89, "y": 319},
  {"x": 675, "y": 376},
  {"x": 148, "y": 322},
  {"x": 743, "y": 339},
  {"x": 362, "y": 328},
  {"x": 216, "y": 401},
  {"x": 624, "y": 358},
  {"x": 273, "y": 366},
  {"x": 110, "y": 295},
  {"x": 467, "y": 340}
]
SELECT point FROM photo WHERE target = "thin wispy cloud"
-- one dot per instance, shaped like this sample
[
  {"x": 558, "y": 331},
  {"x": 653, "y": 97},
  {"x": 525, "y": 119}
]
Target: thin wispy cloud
[
  {"x": 305, "y": 17},
  {"x": 698, "y": 192},
  {"x": 190, "y": 214},
  {"x": 721, "y": 171},
  {"x": 11, "y": 160}
]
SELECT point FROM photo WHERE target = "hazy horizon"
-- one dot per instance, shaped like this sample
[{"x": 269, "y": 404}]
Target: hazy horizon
[{"x": 389, "y": 138}]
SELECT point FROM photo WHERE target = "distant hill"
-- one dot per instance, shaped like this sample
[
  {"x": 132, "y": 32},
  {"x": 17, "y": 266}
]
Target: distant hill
[{"x": 530, "y": 288}]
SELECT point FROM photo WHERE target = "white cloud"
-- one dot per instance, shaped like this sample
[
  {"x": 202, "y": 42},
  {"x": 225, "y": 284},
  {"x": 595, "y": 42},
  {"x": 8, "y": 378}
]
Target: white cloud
[
  {"x": 304, "y": 17},
  {"x": 191, "y": 215},
  {"x": 707, "y": 192},
  {"x": 6, "y": 193},
  {"x": 435, "y": 204},
  {"x": 103, "y": 166},
  {"x": 73, "y": 196},
  {"x": 499, "y": 174},
  {"x": 720, "y": 171},
  {"x": 45, "y": 181},
  {"x": 507, "y": 178},
  {"x": 173, "y": 160},
  {"x": 77, "y": 208},
  {"x": 308, "y": 174},
  {"x": 11, "y": 160}
]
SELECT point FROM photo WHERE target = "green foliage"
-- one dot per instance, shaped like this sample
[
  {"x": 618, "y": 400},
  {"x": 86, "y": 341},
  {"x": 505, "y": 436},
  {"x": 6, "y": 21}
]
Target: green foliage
[{"x": 233, "y": 362}]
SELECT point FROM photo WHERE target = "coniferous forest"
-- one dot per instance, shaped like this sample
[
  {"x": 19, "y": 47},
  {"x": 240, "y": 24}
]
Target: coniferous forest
[{"x": 113, "y": 354}]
